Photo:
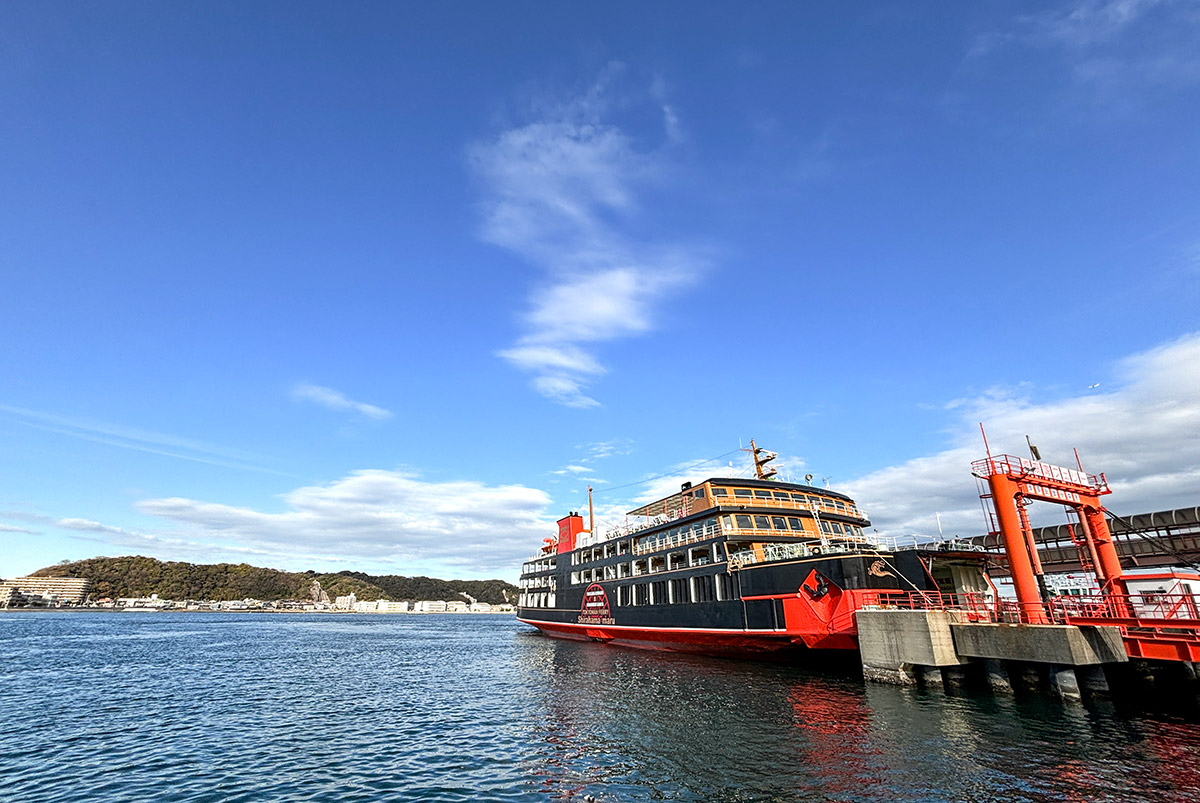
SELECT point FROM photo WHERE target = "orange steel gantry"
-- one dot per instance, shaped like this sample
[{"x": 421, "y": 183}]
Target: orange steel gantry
[
  {"x": 1159, "y": 626},
  {"x": 1014, "y": 481}
]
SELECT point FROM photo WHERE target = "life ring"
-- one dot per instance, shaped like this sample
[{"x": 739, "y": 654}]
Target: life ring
[{"x": 816, "y": 550}]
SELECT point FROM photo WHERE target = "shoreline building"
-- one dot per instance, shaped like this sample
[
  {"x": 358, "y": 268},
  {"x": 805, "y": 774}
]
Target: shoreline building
[{"x": 54, "y": 589}]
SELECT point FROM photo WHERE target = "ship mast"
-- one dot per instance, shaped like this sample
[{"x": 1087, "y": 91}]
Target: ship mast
[{"x": 761, "y": 458}]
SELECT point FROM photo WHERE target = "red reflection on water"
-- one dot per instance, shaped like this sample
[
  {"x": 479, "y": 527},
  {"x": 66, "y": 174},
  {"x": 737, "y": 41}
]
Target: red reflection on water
[
  {"x": 836, "y": 726},
  {"x": 1177, "y": 746}
]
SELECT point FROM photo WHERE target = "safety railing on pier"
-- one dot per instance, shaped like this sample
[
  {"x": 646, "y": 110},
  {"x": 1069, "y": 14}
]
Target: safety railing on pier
[
  {"x": 972, "y": 607},
  {"x": 1018, "y": 466},
  {"x": 1167, "y": 610},
  {"x": 1175, "y": 609}
]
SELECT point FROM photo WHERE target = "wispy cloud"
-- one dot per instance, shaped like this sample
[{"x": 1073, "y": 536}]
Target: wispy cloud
[
  {"x": 1145, "y": 435},
  {"x": 377, "y": 516},
  {"x": 603, "y": 449},
  {"x": 1111, "y": 45},
  {"x": 561, "y": 191},
  {"x": 138, "y": 440},
  {"x": 9, "y": 528},
  {"x": 336, "y": 400}
]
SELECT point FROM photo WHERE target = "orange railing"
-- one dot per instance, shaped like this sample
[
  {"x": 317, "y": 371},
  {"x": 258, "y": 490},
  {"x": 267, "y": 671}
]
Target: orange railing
[
  {"x": 1022, "y": 466},
  {"x": 1128, "y": 610},
  {"x": 974, "y": 607}
]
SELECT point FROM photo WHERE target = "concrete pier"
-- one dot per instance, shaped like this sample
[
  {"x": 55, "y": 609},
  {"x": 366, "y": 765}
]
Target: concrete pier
[{"x": 900, "y": 646}]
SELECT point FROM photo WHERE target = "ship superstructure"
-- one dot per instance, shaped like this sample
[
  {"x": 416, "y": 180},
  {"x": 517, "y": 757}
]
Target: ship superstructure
[{"x": 730, "y": 566}]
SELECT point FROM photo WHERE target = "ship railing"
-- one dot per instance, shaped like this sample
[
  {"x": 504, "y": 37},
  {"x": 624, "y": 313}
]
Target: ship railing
[
  {"x": 733, "y": 502},
  {"x": 846, "y": 543},
  {"x": 693, "y": 536},
  {"x": 726, "y": 505},
  {"x": 792, "y": 550}
]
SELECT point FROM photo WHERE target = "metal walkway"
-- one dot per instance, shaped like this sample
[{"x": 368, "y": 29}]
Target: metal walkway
[{"x": 1150, "y": 542}]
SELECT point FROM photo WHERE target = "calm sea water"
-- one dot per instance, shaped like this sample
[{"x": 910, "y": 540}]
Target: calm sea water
[{"x": 228, "y": 707}]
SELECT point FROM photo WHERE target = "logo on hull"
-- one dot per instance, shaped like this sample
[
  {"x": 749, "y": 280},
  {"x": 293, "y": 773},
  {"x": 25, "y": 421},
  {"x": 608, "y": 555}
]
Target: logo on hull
[
  {"x": 877, "y": 569},
  {"x": 595, "y": 609}
]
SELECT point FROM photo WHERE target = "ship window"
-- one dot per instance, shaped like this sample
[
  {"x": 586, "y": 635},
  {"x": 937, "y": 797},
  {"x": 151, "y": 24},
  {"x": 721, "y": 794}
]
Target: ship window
[
  {"x": 743, "y": 522},
  {"x": 658, "y": 592},
  {"x": 699, "y": 557},
  {"x": 840, "y": 505},
  {"x": 702, "y": 588},
  {"x": 622, "y": 547},
  {"x": 710, "y": 526},
  {"x": 783, "y": 495},
  {"x": 720, "y": 492},
  {"x": 742, "y": 493},
  {"x": 779, "y": 522},
  {"x": 622, "y": 570},
  {"x": 798, "y": 498},
  {"x": 610, "y": 572},
  {"x": 641, "y": 594},
  {"x": 724, "y": 586},
  {"x": 675, "y": 561},
  {"x": 639, "y": 567},
  {"x": 574, "y": 578},
  {"x": 657, "y": 564},
  {"x": 825, "y": 528},
  {"x": 698, "y": 493},
  {"x": 764, "y": 494},
  {"x": 679, "y": 590},
  {"x": 762, "y": 522},
  {"x": 727, "y": 522}
]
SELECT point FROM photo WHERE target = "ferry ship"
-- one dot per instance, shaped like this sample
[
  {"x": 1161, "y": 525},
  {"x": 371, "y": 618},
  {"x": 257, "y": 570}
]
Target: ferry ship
[{"x": 727, "y": 566}]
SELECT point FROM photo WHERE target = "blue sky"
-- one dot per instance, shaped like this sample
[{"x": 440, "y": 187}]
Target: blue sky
[{"x": 384, "y": 286}]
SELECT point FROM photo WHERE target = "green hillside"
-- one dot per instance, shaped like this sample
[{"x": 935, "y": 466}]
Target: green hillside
[{"x": 138, "y": 576}]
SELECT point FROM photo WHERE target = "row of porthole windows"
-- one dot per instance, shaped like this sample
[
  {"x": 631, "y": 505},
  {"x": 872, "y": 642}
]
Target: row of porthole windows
[
  {"x": 699, "y": 556},
  {"x": 702, "y": 588},
  {"x": 789, "y": 524}
]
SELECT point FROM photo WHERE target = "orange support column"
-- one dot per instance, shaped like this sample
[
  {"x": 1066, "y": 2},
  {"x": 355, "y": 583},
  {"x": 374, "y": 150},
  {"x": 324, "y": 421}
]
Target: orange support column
[
  {"x": 1109, "y": 563},
  {"x": 1004, "y": 493}
]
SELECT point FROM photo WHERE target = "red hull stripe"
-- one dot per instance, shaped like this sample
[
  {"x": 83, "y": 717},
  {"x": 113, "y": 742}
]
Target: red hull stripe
[{"x": 653, "y": 630}]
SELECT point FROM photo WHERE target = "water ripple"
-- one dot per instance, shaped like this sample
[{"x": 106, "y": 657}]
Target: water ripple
[{"x": 210, "y": 707}]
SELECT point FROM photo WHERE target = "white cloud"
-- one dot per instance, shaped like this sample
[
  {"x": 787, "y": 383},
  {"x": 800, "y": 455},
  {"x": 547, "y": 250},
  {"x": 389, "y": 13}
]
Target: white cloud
[
  {"x": 8, "y": 528},
  {"x": 376, "y": 516},
  {"x": 560, "y": 191},
  {"x": 1145, "y": 436},
  {"x": 87, "y": 525},
  {"x": 335, "y": 400}
]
